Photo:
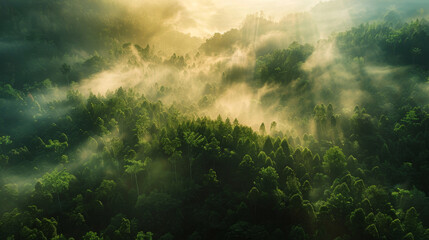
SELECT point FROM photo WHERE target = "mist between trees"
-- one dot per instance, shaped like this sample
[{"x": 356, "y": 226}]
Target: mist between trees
[{"x": 300, "y": 127}]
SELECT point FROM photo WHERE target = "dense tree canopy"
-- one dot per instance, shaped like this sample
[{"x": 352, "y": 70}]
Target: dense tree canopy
[{"x": 126, "y": 165}]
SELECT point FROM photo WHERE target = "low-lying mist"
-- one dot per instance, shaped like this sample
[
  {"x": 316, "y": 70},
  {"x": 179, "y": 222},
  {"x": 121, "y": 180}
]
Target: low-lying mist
[{"x": 98, "y": 47}]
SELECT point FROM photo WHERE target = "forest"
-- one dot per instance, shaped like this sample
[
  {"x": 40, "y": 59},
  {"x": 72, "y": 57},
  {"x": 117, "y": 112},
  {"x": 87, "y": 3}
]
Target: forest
[{"x": 119, "y": 121}]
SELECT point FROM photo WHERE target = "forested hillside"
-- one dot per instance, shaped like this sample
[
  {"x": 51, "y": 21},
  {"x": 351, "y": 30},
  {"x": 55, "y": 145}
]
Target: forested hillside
[{"x": 113, "y": 129}]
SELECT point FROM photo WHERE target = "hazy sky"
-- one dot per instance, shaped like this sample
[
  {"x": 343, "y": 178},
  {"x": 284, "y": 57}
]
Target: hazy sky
[{"x": 203, "y": 17}]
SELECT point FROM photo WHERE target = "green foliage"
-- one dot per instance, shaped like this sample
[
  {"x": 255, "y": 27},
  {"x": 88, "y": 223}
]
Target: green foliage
[
  {"x": 211, "y": 178},
  {"x": 372, "y": 232},
  {"x": 91, "y": 236},
  {"x": 408, "y": 236},
  {"x": 212, "y": 173},
  {"x": 357, "y": 219},
  {"x": 411, "y": 220},
  {"x": 282, "y": 66},
  {"x": 404, "y": 44},
  {"x": 267, "y": 179},
  {"x": 334, "y": 162},
  {"x": 145, "y": 236},
  {"x": 56, "y": 181},
  {"x": 5, "y": 140},
  {"x": 297, "y": 232},
  {"x": 135, "y": 166},
  {"x": 122, "y": 165},
  {"x": 396, "y": 229}
]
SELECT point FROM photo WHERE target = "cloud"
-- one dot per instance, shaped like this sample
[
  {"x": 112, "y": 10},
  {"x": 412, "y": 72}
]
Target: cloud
[{"x": 209, "y": 16}]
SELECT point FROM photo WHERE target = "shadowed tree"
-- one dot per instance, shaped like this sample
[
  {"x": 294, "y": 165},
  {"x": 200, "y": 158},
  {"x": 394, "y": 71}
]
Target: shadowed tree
[
  {"x": 268, "y": 146},
  {"x": 65, "y": 70},
  {"x": 56, "y": 182},
  {"x": 411, "y": 221},
  {"x": 262, "y": 130},
  {"x": 91, "y": 236},
  {"x": 408, "y": 236},
  {"x": 133, "y": 168},
  {"x": 176, "y": 157},
  {"x": 334, "y": 162},
  {"x": 357, "y": 219},
  {"x": 396, "y": 229},
  {"x": 170, "y": 148},
  {"x": 192, "y": 140},
  {"x": 144, "y": 236},
  {"x": 267, "y": 179},
  {"x": 273, "y": 127},
  {"x": 297, "y": 233},
  {"x": 213, "y": 150},
  {"x": 371, "y": 232}
]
